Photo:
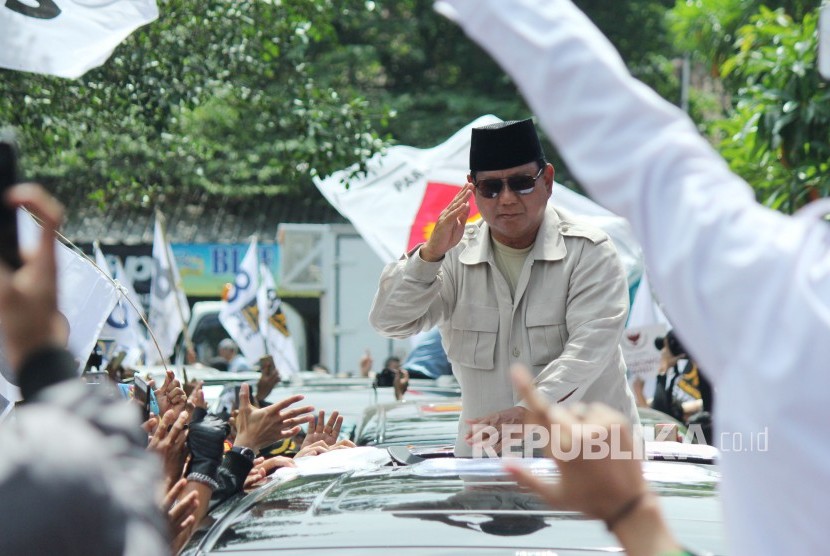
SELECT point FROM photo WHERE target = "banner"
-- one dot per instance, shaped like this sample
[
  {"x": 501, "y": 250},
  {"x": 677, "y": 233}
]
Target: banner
[
  {"x": 205, "y": 268},
  {"x": 395, "y": 205},
  {"x": 86, "y": 296},
  {"x": 274, "y": 327},
  {"x": 239, "y": 314},
  {"x": 67, "y": 37},
  {"x": 123, "y": 326},
  {"x": 169, "y": 310},
  {"x": 646, "y": 322}
]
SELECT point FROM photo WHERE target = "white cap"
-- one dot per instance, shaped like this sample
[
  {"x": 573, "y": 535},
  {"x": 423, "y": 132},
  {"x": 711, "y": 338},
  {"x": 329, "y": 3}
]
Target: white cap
[{"x": 227, "y": 343}]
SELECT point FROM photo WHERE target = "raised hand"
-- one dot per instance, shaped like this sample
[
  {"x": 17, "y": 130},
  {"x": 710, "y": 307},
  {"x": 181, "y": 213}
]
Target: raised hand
[
  {"x": 599, "y": 487},
  {"x": 366, "y": 363},
  {"x": 328, "y": 433},
  {"x": 257, "y": 428},
  {"x": 264, "y": 467},
  {"x": 169, "y": 441},
  {"x": 171, "y": 395},
  {"x": 268, "y": 378},
  {"x": 28, "y": 296},
  {"x": 449, "y": 229},
  {"x": 197, "y": 395},
  {"x": 180, "y": 509}
]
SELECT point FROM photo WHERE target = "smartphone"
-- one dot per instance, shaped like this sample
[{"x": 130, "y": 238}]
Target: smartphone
[
  {"x": 141, "y": 394},
  {"x": 9, "y": 247}
]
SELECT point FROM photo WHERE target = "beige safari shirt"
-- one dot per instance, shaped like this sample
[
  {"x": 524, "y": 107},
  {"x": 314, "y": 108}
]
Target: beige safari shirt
[{"x": 565, "y": 322}]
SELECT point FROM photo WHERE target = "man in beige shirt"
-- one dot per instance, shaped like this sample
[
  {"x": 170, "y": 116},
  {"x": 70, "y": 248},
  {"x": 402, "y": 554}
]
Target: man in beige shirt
[{"x": 528, "y": 284}]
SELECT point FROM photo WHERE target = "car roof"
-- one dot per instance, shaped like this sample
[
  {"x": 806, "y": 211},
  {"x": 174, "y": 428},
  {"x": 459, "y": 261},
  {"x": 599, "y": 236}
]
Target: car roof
[
  {"x": 421, "y": 421},
  {"x": 445, "y": 505},
  {"x": 430, "y": 420}
]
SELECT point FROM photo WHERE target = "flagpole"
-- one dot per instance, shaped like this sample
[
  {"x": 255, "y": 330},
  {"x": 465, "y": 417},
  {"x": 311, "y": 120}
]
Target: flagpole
[
  {"x": 263, "y": 332},
  {"x": 188, "y": 342},
  {"x": 114, "y": 282},
  {"x": 255, "y": 241}
]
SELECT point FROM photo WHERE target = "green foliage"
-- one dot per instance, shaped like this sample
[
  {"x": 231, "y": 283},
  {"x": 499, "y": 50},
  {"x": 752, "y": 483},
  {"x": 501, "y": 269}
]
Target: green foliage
[
  {"x": 217, "y": 95},
  {"x": 404, "y": 56},
  {"x": 244, "y": 97},
  {"x": 776, "y": 134},
  {"x": 708, "y": 28}
]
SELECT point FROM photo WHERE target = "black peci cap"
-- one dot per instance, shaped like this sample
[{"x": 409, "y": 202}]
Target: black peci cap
[{"x": 504, "y": 145}]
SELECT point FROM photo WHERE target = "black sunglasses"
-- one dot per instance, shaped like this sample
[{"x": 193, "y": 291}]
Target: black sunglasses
[{"x": 490, "y": 188}]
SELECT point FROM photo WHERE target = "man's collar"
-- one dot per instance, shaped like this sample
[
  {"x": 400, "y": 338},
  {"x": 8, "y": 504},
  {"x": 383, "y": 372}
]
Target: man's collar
[{"x": 549, "y": 245}]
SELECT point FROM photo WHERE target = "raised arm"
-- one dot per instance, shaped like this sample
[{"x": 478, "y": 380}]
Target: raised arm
[{"x": 704, "y": 237}]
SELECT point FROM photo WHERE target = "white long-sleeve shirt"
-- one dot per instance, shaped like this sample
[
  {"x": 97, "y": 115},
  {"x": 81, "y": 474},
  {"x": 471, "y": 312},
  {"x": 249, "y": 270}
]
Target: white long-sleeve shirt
[{"x": 747, "y": 288}]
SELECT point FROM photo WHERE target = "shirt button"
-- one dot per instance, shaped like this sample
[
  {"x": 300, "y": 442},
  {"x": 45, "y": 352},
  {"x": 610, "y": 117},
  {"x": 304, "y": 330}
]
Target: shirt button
[{"x": 515, "y": 352}]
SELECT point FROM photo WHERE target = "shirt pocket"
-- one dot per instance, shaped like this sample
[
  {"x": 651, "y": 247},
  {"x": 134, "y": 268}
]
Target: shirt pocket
[
  {"x": 474, "y": 332},
  {"x": 545, "y": 333}
]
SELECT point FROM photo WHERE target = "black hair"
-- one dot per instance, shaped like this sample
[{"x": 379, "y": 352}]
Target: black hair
[
  {"x": 671, "y": 341},
  {"x": 391, "y": 359}
]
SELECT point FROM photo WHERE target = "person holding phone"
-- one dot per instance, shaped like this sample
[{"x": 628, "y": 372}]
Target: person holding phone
[{"x": 72, "y": 450}]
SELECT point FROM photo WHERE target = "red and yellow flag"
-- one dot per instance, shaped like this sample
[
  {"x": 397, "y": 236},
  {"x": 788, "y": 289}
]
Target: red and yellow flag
[{"x": 436, "y": 198}]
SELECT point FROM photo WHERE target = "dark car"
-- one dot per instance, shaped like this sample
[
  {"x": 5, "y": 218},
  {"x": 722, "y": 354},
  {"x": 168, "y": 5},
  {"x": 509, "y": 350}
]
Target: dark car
[
  {"x": 351, "y": 396},
  {"x": 434, "y": 421},
  {"x": 362, "y": 501},
  {"x": 406, "y": 494},
  {"x": 431, "y": 421}
]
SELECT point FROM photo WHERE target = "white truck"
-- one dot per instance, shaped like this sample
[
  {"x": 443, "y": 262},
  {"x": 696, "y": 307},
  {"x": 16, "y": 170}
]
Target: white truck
[{"x": 206, "y": 331}]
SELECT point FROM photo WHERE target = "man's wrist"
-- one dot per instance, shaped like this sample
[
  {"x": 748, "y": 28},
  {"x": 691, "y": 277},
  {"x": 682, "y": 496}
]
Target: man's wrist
[
  {"x": 205, "y": 471},
  {"x": 244, "y": 440},
  {"x": 642, "y": 529},
  {"x": 427, "y": 255},
  {"x": 244, "y": 451}
]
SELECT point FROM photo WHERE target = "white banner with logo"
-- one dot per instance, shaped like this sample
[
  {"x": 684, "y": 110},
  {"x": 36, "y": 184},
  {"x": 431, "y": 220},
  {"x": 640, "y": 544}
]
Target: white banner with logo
[
  {"x": 274, "y": 328},
  {"x": 239, "y": 314},
  {"x": 396, "y": 204},
  {"x": 67, "y": 37},
  {"x": 123, "y": 327},
  {"x": 169, "y": 310},
  {"x": 646, "y": 322}
]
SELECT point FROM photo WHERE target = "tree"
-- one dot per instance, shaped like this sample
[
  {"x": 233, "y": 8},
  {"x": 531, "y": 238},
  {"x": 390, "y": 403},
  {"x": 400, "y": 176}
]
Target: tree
[
  {"x": 242, "y": 97},
  {"x": 217, "y": 95},
  {"x": 404, "y": 56},
  {"x": 775, "y": 133}
]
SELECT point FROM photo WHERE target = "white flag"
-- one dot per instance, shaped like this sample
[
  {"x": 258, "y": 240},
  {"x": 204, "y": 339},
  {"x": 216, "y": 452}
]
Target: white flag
[
  {"x": 646, "y": 322},
  {"x": 123, "y": 326},
  {"x": 239, "y": 310},
  {"x": 274, "y": 327},
  {"x": 169, "y": 311},
  {"x": 67, "y": 37},
  {"x": 396, "y": 204},
  {"x": 86, "y": 296}
]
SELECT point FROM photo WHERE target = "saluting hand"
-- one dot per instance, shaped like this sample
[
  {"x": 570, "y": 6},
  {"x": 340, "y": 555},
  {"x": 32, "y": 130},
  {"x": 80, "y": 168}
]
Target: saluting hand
[{"x": 449, "y": 229}]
